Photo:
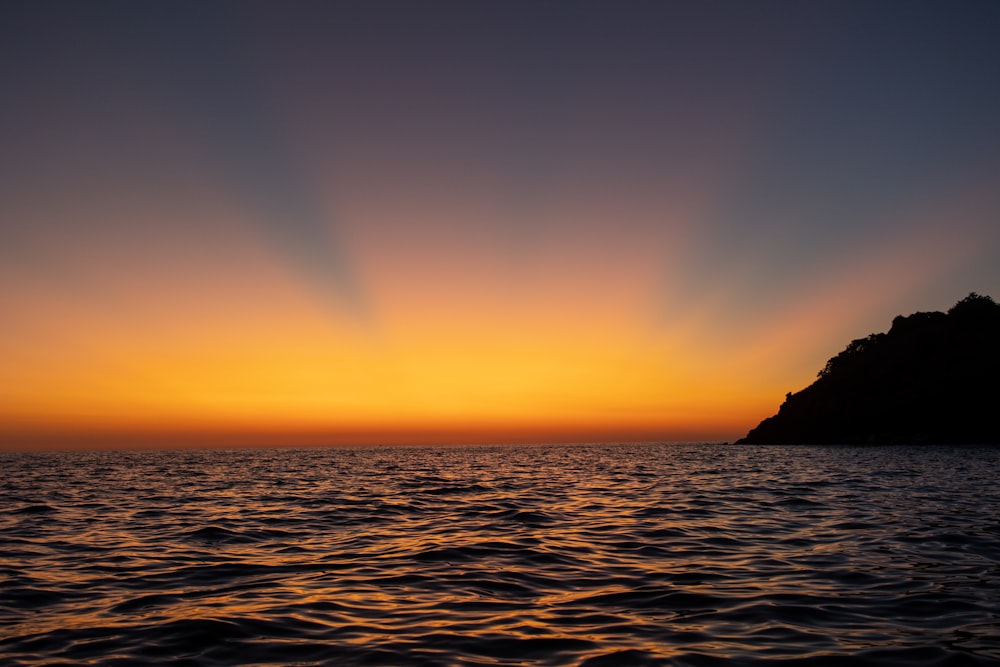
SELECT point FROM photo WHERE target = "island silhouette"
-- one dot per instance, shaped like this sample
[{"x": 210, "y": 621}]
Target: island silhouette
[{"x": 932, "y": 378}]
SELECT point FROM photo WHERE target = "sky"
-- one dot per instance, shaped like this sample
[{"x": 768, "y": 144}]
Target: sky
[{"x": 366, "y": 222}]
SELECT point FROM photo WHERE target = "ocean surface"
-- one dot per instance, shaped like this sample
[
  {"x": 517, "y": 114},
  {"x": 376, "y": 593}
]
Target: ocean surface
[{"x": 652, "y": 554}]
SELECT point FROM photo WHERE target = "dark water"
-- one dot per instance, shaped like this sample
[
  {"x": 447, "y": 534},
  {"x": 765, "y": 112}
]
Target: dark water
[{"x": 562, "y": 555}]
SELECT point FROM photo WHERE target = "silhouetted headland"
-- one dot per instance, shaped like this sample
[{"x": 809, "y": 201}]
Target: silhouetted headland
[{"x": 933, "y": 378}]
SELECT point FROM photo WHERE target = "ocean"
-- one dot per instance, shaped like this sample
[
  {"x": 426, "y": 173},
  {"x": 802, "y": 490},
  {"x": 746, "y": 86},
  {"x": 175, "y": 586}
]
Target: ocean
[{"x": 594, "y": 555}]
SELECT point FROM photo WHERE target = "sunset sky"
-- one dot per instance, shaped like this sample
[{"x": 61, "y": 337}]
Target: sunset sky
[{"x": 472, "y": 221}]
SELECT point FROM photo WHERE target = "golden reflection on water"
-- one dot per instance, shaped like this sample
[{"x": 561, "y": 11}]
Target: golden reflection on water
[{"x": 493, "y": 555}]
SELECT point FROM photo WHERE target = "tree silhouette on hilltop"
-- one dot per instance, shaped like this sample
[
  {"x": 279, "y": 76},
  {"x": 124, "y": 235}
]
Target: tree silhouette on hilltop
[{"x": 932, "y": 378}]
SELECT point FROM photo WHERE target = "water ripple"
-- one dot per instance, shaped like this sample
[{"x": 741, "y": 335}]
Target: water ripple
[{"x": 570, "y": 555}]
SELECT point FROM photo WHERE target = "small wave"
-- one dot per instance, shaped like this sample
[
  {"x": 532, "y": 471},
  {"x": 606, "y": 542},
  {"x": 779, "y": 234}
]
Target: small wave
[
  {"x": 532, "y": 517},
  {"x": 457, "y": 554},
  {"x": 452, "y": 490},
  {"x": 631, "y": 657},
  {"x": 33, "y": 597},
  {"x": 36, "y": 508},
  {"x": 796, "y": 501},
  {"x": 215, "y": 534},
  {"x": 143, "y": 602},
  {"x": 673, "y": 601}
]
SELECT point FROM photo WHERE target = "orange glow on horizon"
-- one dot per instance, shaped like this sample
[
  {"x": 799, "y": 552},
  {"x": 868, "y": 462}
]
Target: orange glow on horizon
[{"x": 460, "y": 344}]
